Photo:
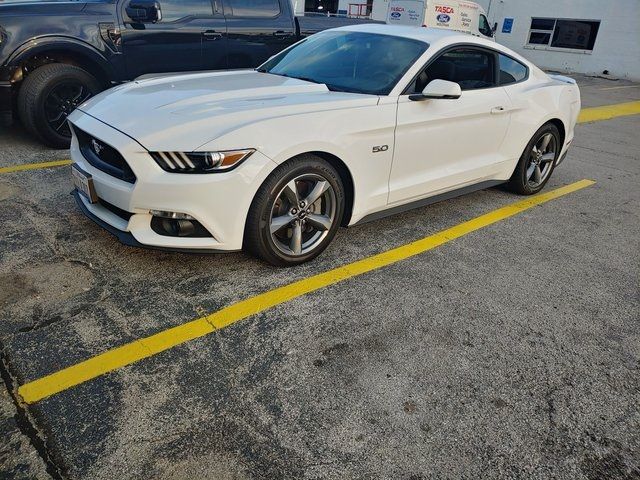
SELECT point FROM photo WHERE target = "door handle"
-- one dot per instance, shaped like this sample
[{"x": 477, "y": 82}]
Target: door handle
[
  {"x": 281, "y": 33},
  {"x": 497, "y": 110},
  {"x": 211, "y": 35}
]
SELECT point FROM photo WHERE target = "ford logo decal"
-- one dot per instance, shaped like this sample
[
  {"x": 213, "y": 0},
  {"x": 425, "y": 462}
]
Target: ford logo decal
[
  {"x": 395, "y": 14},
  {"x": 444, "y": 18}
]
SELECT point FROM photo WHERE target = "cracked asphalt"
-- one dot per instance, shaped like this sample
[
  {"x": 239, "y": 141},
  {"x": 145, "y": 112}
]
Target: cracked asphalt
[{"x": 512, "y": 352}]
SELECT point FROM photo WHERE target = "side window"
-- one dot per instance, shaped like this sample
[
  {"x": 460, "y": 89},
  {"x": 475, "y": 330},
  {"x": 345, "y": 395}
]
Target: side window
[
  {"x": 484, "y": 27},
  {"x": 511, "y": 71},
  {"x": 173, "y": 10},
  {"x": 254, "y": 8},
  {"x": 469, "y": 68}
]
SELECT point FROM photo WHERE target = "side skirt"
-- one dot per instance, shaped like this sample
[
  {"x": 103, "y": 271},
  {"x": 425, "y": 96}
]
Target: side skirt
[{"x": 429, "y": 200}]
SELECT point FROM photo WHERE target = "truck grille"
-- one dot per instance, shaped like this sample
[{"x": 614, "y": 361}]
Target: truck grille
[{"x": 104, "y": 157}]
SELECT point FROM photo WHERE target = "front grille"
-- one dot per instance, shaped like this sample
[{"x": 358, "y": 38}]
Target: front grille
[{"x": 104, "y": 157}]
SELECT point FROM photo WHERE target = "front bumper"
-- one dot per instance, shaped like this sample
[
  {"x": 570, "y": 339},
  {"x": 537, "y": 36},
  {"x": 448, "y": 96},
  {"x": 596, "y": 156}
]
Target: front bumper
[
  {"x": 126, "y": 238},
  {"x": 219, "y": 201}
]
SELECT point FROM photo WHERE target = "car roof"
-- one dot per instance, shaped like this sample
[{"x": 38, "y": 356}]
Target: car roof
[
  {"x": 429, "y": 35},
  {"x": 438, "y": 37}
]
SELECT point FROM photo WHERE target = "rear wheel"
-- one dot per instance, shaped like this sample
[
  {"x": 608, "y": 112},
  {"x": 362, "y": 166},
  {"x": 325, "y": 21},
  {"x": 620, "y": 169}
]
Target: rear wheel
[
  {"x": 296, "y": 212},
  {"x": 537, "y": 162},
  {"x": 48, "y": 95}
]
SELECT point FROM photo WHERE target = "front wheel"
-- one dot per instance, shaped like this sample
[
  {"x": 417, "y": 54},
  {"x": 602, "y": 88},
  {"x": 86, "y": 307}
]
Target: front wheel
[
  {"x": 296, "y": 212},
  {"x": 537, "y": 161},
  {"x": 48, "y": 95}
]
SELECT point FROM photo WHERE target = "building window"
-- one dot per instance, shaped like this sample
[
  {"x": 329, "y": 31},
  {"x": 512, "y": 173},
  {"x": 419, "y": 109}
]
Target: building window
[{"x": 563, "y": 33}]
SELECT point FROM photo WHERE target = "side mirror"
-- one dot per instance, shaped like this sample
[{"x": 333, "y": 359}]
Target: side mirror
[
  {"x": 438, "y": 89},
  {"x": 144, "y": 11}
]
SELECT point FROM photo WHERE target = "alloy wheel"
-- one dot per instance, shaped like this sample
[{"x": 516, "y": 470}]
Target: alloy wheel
[
  {"x": 61, "y": 101},
  {"x": 302, "y": 215},
  {"x": 541, "y": 160}
]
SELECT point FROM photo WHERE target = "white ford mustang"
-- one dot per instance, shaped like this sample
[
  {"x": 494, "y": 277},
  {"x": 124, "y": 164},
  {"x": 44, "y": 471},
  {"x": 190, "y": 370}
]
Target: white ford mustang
[{"x": 345, "y": 126}]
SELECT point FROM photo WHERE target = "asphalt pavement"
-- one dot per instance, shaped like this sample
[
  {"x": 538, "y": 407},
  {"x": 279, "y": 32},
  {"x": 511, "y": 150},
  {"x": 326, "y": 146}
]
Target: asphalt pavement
[{"x": 511, "y": 352}]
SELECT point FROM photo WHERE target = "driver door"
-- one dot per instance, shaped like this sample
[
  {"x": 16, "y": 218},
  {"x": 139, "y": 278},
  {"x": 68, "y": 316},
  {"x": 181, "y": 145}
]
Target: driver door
[{"x": 443, "y": 144}]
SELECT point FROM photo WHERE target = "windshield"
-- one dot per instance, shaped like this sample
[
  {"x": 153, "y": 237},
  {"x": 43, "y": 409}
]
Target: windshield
[{"x": 349, "y": 61}]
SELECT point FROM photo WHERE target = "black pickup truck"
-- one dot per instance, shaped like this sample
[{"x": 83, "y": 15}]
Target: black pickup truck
[{"x": 56, "y": 54}]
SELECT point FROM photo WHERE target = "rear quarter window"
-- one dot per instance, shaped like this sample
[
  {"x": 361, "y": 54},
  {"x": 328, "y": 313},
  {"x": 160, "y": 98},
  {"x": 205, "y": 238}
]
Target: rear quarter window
[{"x": 511, "y": 71}]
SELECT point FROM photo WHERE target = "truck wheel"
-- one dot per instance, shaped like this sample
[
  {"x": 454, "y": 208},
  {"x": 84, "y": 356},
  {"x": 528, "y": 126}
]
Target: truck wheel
[
  {"x": 48, "y": 95},
  {"x": 296, "y": 212}
]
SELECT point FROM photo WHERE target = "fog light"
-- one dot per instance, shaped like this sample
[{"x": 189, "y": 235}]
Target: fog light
[
  {"x": 178, "y": 228},
  {"x": 174, "y": 224},
  {"x": 172, "y": 215}
]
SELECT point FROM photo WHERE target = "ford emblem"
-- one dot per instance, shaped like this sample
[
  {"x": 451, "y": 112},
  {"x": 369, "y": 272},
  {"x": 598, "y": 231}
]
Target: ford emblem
[
  {"x": 395, "y": 14},
  {"x": 443, "y": 18}
]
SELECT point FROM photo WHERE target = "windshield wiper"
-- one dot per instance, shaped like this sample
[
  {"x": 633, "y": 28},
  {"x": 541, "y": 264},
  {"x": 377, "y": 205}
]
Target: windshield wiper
[
  {"x": 306, "y": 79},
  {"x": 332, "y": 88}
]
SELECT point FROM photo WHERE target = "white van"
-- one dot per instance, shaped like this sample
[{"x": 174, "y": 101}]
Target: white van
[{"x": 461, "y": 16}]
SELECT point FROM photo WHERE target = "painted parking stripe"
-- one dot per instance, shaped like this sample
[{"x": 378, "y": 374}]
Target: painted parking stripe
[
  {"x": 34, "y": 166},
  {"x": 129, "y": 353},
  {"x": 594, "y": 114},
  {"x": 621, "y": 87},
  {"x": 608, "y": 112}
]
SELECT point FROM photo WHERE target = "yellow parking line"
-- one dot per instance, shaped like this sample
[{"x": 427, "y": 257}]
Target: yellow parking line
[
  {"x": 146, "y": 347},
  {"x": 34, "y": 166},
  {"x": 608, "y": 112},
  {"x": 620, "y": 87}
]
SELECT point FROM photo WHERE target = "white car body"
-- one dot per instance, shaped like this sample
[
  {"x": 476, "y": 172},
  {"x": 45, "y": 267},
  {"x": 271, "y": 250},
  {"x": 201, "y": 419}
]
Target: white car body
[{"x": 434, "y": 147}]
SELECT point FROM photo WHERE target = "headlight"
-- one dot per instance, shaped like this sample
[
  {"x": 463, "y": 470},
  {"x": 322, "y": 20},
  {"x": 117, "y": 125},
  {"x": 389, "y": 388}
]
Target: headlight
[{"x": 201, "y": 162}]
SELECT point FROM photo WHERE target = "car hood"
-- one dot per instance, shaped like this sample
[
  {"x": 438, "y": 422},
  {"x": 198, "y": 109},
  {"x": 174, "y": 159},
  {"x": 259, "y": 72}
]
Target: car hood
[{"x": 184, "y": 112}]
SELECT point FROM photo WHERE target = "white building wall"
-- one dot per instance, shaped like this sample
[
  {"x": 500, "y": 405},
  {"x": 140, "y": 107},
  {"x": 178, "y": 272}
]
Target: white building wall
[{"x": 617, "y": 46}]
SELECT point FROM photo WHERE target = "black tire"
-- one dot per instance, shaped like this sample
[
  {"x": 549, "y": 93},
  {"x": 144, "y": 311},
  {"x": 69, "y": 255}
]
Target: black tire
[
  {"x": 35, "y": 92},
  {"x": 257, "y": 236},
  {"x": 518, "y": 183}
]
